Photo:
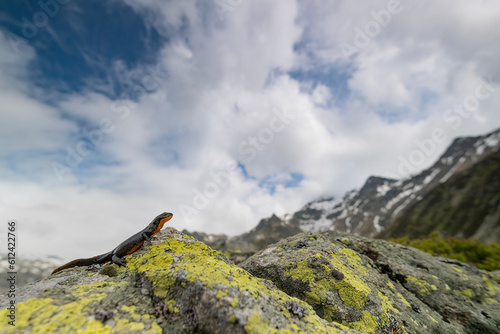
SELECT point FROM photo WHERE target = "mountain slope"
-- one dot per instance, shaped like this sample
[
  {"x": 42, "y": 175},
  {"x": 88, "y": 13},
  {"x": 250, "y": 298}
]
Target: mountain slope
[
  {"x": 387, "y": 203},
  {"x": 467, "y": 205},
  {"x": 369, "y": 210}
]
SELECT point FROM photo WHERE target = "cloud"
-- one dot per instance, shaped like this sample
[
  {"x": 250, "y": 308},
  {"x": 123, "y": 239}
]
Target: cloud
[{"x": 222, "y": 130}]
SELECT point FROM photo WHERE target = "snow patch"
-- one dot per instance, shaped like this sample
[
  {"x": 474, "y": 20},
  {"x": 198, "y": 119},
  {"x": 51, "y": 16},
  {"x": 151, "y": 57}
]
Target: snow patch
[
  {"x": 383, "y": 189},
  {"x": 324, "y": 205},
  {"x": 447, "y": 161},
  {"x": 376, "y": 224},
  {"x": 452, "y": 170},
  {"x": 492, "y": 140},
  {"x": 431, "y": 176}
]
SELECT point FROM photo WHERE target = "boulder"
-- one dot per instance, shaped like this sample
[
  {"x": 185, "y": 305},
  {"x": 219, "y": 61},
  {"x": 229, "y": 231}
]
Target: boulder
[
  {"x": 379, "y": 286},
  {"x": 307, "y": 283},
  {"x": 174, "y": 284}
]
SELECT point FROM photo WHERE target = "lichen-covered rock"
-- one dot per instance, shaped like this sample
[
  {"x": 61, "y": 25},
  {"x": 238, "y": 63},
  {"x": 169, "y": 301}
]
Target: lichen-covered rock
[
  {"x": 379, "y": 286},
  {"x": 174, "y": 284}
]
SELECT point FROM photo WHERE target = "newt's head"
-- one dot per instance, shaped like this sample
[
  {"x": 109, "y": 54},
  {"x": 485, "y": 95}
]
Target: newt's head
[{"x": 160, "y": 220}]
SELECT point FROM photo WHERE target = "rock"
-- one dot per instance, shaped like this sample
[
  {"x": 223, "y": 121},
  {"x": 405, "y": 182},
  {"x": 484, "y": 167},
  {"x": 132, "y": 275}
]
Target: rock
[
  {"x": 174, "y": 284},
  {"x": 379, "y": 286},
  {"x": 316, "y": 283}
]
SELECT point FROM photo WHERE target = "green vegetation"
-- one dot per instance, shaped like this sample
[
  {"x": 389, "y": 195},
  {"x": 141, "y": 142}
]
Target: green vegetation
[{"x": 484, "y": 256}]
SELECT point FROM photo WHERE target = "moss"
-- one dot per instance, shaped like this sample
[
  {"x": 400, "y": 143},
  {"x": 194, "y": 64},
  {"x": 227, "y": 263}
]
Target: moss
[{"x": 484, "y": 256}]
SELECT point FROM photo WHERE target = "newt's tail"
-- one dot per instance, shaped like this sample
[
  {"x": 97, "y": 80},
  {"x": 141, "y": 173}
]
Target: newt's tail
[{"x": 86, "y": 262}]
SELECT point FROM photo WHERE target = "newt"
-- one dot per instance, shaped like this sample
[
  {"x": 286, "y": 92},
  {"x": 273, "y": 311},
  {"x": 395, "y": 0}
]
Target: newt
[{"x": 125, "y": 248}]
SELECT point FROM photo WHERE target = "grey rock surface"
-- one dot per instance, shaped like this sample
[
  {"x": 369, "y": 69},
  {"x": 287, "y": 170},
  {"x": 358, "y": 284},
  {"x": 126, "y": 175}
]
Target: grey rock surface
[{"x": 379, "y": 286}]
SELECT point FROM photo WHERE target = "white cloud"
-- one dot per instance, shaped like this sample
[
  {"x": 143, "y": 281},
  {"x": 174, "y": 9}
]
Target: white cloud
[{"x": 223, "y": 102}]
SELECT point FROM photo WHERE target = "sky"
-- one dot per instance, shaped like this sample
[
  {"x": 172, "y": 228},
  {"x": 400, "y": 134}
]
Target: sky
[{"x": 224, "y": 112}]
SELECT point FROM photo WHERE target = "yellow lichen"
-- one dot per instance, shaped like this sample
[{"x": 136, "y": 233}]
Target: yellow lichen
[
  {"x": 84, "y": 289},
  {"x": 386, "y": 304},
  {"x": 345, "y": 241},
  {"x": 492, "y": 288},
  {"x": 403, "y": 299},
  {"x": 350, "y": 295},
  {"x": 200, "y": 264},
  {"x": 432, "y": 318},
  {"x": 469, "y": 293},
  {"x": 170, "y": 305},
  {"x": 221, "y": 293},
  {"x": 329, "y": 311},
  {"x": 44, "y": 316},
  {"x": 255, "y": 325},
  {"x": 425, "y": 287},
  {"x": 353, "y": 258},
  {"x": 367, "y": 323}
]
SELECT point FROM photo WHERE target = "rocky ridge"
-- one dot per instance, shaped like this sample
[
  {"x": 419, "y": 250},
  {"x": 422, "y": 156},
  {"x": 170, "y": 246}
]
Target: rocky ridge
[{"x": 378, "y": 204}]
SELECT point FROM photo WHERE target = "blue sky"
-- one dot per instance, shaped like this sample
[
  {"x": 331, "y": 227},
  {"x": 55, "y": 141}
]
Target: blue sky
[{"x": 225, "y": 112}]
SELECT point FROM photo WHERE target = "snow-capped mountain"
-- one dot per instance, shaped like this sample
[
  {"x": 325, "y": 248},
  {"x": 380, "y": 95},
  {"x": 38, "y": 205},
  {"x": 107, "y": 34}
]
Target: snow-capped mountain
[
  {"x": 368, "y": 211},
  {"x": 380, "y": 203}
]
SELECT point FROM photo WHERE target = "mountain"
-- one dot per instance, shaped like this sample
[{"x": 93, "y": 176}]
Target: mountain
[
  {"x": 458, "y": 196},
  {"x": 28, "y": 270},
  {"x": 468, "y": 164},
  {"x": 466, "y": 206},
  {"x": 268, "y": 231},
  {"x": 381, "y": 201}
]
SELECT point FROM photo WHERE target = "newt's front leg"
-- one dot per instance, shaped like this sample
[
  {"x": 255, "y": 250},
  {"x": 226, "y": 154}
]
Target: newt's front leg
[{"x": 118, "y": 260}]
